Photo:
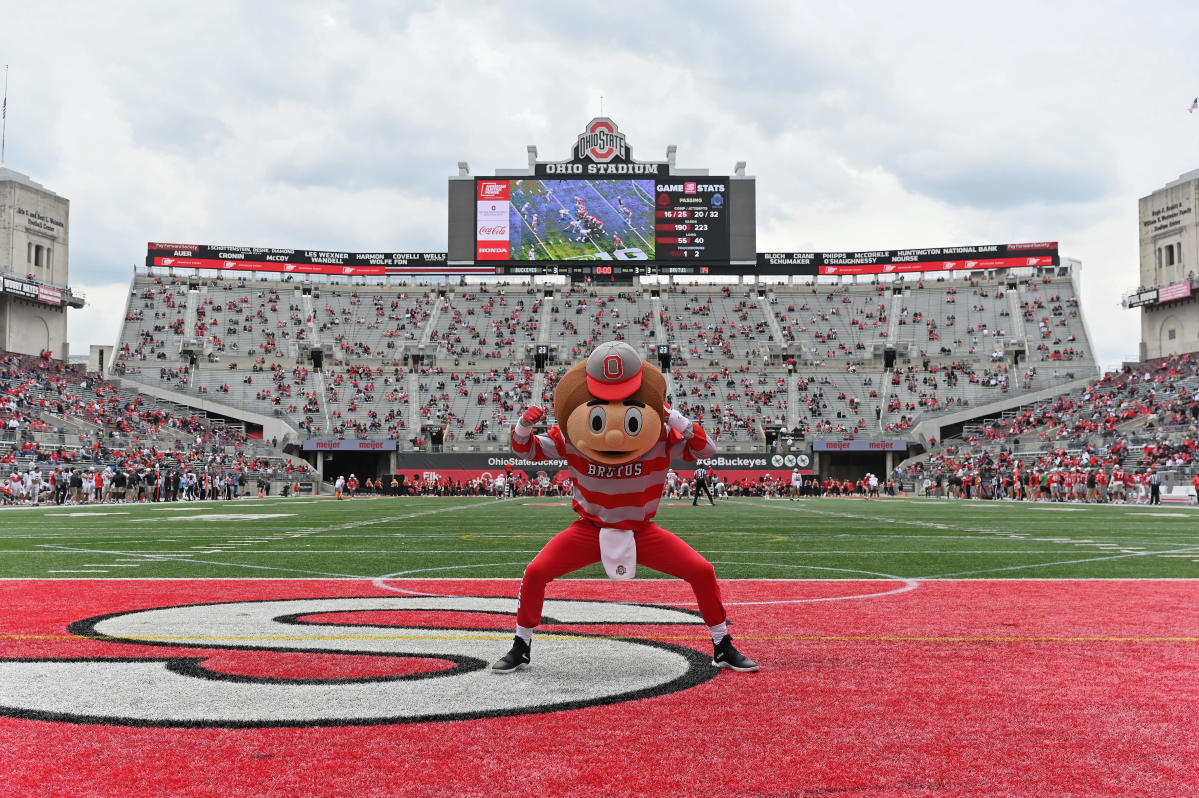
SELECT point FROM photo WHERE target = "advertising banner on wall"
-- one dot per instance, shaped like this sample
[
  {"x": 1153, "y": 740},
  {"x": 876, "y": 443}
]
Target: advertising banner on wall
[
  {"x": 1168, "y": 293},
  {"x": 26, "y": 289},
  {"x": 348, "y": 446},
  {"x": 904, "y": 261},
  {"x": 467, "y": 466},
  {"x": 293, "y": 261},
  {"x": 859, "y": 446},
  {"x": 1146, "y": 297}
]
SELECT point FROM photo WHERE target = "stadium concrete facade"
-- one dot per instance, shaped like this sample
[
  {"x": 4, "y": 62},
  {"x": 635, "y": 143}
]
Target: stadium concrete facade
[
  {"x": 34, "y": 267},
  {"x": 1169, "y": 252}
]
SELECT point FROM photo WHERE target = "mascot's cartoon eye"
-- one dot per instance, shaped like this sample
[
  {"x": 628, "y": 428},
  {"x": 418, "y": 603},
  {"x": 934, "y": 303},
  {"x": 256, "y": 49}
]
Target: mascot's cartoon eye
[
  {"x": 597, "y": 418},
  {"x": 632, "y": 421}
]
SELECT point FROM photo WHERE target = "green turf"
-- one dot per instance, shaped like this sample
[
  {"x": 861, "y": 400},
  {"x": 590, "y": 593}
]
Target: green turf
[{"x": 467, "y": 537}]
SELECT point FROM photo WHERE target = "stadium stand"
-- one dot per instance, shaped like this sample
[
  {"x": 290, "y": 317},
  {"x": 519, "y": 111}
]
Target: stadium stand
[
  {"x": 56, "y": 418},
  {"x": 1005, "y": 361},
  {"x": 1121, "y": 425},
  {"x": 749, "y": 359}
]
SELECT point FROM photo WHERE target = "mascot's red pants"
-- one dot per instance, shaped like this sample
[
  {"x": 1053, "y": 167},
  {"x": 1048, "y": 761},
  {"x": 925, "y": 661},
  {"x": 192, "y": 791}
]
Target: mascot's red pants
[{"x": 578, "y": 546}]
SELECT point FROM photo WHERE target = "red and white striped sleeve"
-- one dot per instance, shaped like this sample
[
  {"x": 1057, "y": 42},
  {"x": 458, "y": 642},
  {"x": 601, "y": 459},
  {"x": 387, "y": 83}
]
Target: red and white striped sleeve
[
  {"x": 539, "y": 447},
  {"x": 695, "y": 446}
]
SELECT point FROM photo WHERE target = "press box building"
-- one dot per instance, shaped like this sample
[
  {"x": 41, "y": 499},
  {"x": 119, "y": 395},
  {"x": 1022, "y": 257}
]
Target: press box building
[
  {"x": 34, "y": 247},
  {"x": 1169, "y": 256}
]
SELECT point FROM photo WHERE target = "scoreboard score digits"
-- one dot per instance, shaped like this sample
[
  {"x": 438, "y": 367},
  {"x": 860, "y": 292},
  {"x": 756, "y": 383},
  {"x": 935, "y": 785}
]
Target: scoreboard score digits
[{"x": 690, "y": 220}]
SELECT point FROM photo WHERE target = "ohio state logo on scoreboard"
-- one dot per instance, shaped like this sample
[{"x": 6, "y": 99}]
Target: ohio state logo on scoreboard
[{"x": 601, "y": 142}]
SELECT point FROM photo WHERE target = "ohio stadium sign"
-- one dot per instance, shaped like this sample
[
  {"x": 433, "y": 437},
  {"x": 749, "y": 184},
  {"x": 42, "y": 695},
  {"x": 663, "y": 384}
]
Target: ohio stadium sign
[{"x": 601, "y": 149}]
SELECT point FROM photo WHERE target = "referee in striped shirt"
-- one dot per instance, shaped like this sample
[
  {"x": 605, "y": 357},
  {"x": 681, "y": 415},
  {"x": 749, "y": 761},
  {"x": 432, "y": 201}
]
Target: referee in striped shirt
[{"x": 701, "y": 483}]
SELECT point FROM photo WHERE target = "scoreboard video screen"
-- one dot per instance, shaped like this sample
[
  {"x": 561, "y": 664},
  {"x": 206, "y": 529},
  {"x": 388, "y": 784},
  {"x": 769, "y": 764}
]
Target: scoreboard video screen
[{"x": 667, "y": 220}]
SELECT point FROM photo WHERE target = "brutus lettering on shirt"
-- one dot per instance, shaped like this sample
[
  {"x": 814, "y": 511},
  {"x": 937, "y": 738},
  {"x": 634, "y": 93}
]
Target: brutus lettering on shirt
[{"x": 614, "y": 472}]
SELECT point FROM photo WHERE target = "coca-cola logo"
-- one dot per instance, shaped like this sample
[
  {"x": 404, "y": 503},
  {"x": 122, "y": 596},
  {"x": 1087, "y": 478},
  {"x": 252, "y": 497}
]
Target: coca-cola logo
[{"x": 493, "y": 230}]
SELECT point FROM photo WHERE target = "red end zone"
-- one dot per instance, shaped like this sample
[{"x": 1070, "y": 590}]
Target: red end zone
[{"x": 954, "y": 688}]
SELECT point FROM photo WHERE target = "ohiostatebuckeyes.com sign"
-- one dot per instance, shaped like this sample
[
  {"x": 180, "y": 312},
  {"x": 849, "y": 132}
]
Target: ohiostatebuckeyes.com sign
[{"x": 468, "y": 466}]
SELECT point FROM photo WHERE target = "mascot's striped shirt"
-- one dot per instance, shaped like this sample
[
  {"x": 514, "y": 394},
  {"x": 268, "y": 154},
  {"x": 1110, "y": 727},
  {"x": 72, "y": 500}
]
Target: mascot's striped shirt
[{"x": 623, "y": 496}]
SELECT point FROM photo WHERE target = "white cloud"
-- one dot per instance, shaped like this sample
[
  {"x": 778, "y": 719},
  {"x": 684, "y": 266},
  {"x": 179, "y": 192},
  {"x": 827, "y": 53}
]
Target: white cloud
[
  {"x": 98, "y": 323},
  {"x": 869, "y": 125}
]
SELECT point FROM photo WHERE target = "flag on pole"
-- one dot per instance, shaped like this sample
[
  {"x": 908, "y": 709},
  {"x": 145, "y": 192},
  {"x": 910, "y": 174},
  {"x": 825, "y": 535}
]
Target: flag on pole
[{"x": 1194, "y": 106}]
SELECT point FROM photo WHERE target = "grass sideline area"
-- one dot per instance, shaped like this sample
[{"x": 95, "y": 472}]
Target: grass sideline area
[{"x": 822, "y": 538}]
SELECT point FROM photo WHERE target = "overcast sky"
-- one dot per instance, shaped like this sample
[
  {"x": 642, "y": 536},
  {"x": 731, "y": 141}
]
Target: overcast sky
[{"x": 868, "y": 125}]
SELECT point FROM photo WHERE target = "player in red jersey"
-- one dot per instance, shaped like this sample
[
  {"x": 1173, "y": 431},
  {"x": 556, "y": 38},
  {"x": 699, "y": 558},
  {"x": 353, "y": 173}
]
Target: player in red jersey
[
  {"x": 618, "y": 439},
  {"x": 1118, "y": 476}
]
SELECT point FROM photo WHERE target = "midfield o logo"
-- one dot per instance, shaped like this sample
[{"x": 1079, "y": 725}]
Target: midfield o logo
[
  {"x": 601, "y": 142},
  {"x": 187, "y": 686}
]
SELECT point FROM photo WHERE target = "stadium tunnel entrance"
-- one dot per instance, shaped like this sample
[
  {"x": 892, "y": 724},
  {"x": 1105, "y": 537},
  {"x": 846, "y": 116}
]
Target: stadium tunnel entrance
[
  {"x": 851, "y": 465},
  {"x": 360, "y": 464}
]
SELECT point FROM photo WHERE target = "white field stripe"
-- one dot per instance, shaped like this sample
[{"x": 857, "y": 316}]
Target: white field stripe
[
  {"x": 161, "y": 558},
  {"x": 1190, "y": 549},
  {"x": 802, "y": 508}
]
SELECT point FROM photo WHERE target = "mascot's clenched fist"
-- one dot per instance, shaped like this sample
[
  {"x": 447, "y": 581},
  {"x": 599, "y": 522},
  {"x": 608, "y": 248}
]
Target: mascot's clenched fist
[{"x": 618, "y": 438}]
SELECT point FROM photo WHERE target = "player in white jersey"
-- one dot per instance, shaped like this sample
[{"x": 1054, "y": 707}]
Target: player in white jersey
[
  {"x": 796, "y": 484},
  {"x": 33, "y": 485},
  {"x": 16, "y": 485},
  {"x": 672, "y": 484}
]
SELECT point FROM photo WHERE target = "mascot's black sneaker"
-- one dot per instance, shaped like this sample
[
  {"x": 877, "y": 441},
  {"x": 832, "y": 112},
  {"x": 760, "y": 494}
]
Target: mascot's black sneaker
[
  {"x": 518, "y": 658},
  {"x": 728, "y": 657}
]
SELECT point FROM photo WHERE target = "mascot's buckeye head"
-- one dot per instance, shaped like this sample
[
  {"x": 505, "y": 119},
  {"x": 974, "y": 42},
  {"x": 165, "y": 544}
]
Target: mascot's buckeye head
[{"x": 611, "y": 406}]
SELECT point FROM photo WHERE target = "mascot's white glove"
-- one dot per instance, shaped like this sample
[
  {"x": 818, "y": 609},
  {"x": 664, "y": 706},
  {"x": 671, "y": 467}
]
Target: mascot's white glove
[
  {"x": 524, "y": 424},
  {"x": 679, "y": 423}
]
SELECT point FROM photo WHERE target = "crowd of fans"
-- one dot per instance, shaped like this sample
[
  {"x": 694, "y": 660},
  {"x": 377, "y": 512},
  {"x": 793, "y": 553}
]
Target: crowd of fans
[
  {"x": 60, "y": 426},
  {"x": 961, "y": 327},
  {"x": 1103, "y": 443}
]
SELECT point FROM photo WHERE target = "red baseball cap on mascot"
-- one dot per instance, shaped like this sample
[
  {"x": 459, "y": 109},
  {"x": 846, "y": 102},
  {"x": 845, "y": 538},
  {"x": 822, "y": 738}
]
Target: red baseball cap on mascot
[{"x": 613, "y": 371}]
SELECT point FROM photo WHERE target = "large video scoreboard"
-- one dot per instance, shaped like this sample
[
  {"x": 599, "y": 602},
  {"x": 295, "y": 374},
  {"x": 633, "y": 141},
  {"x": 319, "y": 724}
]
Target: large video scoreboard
[
  {"x": 603, "y": 213},
  {"x": 545, "y": 221}
]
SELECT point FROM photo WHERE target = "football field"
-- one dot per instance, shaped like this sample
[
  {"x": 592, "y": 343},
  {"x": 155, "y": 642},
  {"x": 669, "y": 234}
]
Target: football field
[
  {"x": 541, "y": 213},
  {"x": 313, "y": 646}
]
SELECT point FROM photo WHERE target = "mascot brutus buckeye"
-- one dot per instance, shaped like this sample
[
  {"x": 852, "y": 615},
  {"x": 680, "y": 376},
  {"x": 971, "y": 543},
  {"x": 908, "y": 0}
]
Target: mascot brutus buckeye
[{"x": 618, "y": 438}]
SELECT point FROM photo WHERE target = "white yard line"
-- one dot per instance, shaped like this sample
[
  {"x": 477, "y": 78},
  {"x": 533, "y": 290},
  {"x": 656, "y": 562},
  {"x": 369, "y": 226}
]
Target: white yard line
[{"x": 1191, "y": 549}]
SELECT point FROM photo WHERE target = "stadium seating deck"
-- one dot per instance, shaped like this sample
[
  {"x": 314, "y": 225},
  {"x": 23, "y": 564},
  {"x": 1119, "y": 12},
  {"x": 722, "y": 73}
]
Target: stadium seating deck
[{"x": 744, "y": 358}]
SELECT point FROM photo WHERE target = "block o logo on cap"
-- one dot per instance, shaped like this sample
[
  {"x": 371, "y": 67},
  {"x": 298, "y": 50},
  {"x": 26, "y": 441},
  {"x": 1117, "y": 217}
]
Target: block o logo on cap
[{"x": 613, "y": 371}]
